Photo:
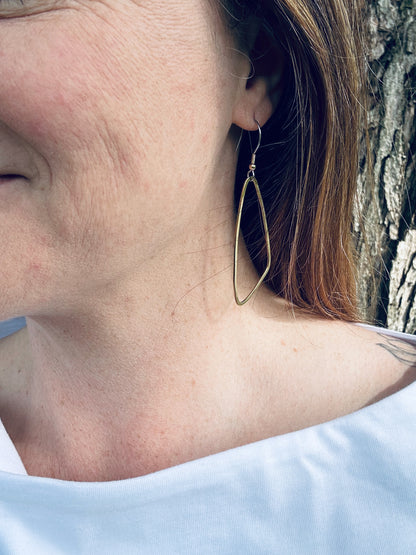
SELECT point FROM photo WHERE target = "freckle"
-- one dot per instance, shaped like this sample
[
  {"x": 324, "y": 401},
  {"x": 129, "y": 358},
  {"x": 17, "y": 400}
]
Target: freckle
[
  {"x": 44, "y": 240},
  {"x": 295, "y": 350},
  {"x": 282, "y": 342},
  {"x": 193, "y": 382},
  {"x": 35, "y": 267}
]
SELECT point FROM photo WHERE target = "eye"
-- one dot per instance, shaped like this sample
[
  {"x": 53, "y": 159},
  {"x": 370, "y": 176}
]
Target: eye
[
  {"x": 10, "y": 6},
  {"x": 12, "y": 3},
  {"x": 19, "y": 8}
]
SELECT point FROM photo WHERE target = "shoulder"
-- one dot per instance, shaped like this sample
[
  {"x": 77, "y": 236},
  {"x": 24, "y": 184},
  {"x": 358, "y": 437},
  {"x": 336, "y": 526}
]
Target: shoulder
[
  {"x": 369, "y": 363},
  {"x": 374, "y": 361},
  {"x": 391, "y": 359},
  {"x": 319, "y": 370},
  {"x": 388, "y": 353}
]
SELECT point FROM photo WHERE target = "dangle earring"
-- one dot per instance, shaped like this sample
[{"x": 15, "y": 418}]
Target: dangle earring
[{"x": 251, "y": 178}]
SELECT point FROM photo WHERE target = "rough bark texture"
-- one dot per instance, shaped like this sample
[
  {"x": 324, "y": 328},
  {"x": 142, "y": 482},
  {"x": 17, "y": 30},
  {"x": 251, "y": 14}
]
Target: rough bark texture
[{"x": 387, "y": 199}]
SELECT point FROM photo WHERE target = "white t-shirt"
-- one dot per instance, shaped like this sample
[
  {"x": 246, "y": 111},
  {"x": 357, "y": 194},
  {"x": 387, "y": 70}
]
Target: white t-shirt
[{"x": 347, "y": 486}]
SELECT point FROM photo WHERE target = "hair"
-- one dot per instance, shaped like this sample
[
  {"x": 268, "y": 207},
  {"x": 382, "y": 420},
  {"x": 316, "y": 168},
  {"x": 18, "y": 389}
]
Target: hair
[{"x": 307, "y": 168}]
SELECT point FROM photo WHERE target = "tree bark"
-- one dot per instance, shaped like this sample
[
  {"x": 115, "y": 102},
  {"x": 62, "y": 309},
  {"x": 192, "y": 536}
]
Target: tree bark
[{"x": 386, "y": 205}]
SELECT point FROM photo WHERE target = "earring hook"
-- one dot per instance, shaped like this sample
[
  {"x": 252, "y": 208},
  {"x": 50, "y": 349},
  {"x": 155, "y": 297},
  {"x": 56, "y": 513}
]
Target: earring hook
[
  {"x": 252, "y": 166},
  {"x": 259, "y": 143}
]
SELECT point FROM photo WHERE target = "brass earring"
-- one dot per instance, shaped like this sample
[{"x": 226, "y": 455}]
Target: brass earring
[{"x": 251, "y": 178}]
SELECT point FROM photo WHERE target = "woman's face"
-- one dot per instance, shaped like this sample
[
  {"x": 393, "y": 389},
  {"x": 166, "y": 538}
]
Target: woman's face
[{"x": 114, "y": 111}]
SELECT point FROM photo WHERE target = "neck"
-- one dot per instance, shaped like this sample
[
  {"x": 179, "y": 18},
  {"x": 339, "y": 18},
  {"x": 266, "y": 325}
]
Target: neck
[
  {"x": 166, "y": 351},
  {"x": 165, "y": 320}
]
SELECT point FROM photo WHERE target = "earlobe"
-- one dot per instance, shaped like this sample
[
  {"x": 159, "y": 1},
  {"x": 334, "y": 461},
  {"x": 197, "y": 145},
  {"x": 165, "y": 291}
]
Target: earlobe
[{"x": 254, "y": 104}]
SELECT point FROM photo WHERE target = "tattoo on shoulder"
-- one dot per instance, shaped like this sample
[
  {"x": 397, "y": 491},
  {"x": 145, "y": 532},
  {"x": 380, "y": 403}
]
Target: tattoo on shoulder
[{"x": 402, "y": 350}]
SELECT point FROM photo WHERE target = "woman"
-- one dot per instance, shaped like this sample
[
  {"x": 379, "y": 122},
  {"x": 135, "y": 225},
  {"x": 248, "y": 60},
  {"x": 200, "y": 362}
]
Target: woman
[{"x": 146, "y": 411}]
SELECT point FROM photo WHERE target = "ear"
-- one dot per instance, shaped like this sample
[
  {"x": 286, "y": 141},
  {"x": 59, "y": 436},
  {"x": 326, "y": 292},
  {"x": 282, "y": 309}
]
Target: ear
[{"x": 260, "y": 93}]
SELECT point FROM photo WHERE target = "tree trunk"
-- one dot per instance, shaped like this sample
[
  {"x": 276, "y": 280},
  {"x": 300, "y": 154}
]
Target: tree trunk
[{"x": 387, "y": 184}]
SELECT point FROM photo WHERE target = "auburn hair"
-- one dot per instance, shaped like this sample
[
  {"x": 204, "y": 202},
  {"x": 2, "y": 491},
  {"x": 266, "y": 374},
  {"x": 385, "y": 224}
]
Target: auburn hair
[{"x": 307, "y": 167}]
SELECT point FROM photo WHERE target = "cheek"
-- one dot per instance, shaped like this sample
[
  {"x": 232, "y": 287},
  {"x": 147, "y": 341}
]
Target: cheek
[
  {"x": 63, "y": 94},
  {"x": 52, "y": 97},
  {"x": 110, "y": 128},
  {"x": 55, "y": 82},
  {"x": 38, "y": 99}
]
